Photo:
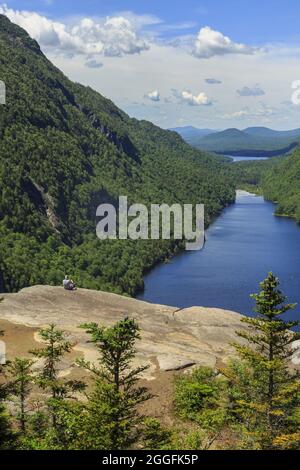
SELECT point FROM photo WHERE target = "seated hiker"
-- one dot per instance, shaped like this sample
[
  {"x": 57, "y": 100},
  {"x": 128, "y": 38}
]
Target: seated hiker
[{"x": 68, "y": 283}]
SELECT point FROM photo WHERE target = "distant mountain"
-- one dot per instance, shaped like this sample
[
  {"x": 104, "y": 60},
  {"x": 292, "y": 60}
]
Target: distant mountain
[
  {"x": 191, "y": 134},
  {"x": 65, "y": 149},
  {"x": 260, "y": 141},
  {"x": 266, "y": 132}
]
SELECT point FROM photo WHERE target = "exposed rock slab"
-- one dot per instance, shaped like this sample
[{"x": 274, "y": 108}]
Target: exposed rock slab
[
  {"x": 296, "y": 353},
  {"x": 172, "y": 339}
]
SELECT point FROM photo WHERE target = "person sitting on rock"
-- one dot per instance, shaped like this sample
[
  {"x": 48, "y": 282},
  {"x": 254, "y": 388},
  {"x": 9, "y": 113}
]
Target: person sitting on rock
[{"x": 68, "y": 283}]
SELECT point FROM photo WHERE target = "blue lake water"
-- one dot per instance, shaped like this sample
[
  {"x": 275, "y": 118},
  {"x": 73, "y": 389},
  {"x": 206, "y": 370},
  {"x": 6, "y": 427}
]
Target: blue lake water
[{"x": 243, "y": 245}]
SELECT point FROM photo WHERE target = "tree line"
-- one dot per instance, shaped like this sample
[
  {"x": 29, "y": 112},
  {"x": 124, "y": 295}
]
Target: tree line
[
  {"x": 252, "y": 402},
  {"x": 64, "y": 150}
]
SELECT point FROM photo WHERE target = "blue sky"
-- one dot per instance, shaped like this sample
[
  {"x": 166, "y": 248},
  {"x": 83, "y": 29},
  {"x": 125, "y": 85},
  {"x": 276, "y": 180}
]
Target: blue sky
[
  {"x": 206, "y": 63},
  {"x": 262, "y": 20}
]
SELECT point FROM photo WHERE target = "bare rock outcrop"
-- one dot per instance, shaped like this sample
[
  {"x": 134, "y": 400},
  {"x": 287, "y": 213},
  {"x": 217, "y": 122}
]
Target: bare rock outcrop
[{"x": 172, "y": 339}]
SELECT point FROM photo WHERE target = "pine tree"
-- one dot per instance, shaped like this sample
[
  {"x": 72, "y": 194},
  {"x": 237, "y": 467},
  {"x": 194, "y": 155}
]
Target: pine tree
[
  {"x": 56, "y": 346},
  {"x": 20, "y": 387},
  {"x": 6, "y": 435},
  {"x": 265, "y": 389},
  {"x": 201, "y": 398},
  {"x": 116, "y": 395},
  {"x": 155, "y": 436}
]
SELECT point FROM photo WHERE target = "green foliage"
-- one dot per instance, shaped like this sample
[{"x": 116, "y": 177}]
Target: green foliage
[
  {"x": 108, "y": 417},
  {"x": 250, "y": 175},
  {"x": 112, "y": 406},
  {"x": 20, "y": 386},
  {"x": 251, "y": 142},
  {"x": 265, "y": 393},
  {"x": 198, "y": 391},
  {"x": 278, "y": 179},
  {"x": 7, "y": 440},
  {"x": 155, "y": 436},
  {"x": 201, "y": 398},
  {"x": 67, "y": 433},
  {"x": 186, "y": 439},
  {"x": 64, "y": 149},
  {"x": 253, "y": 403},
  {"x": 56, "y": 346},
  {"x": 256, "y": 403},
  {"x": 282, "y": 185},
  {"x": 117, "y": 349},
  {"x": 6, "y": 433}
]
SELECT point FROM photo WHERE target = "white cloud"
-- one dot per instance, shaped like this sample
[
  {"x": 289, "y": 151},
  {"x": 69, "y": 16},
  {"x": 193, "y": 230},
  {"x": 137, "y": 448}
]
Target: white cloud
[
  {"x": 253, "y": 91},
  {"x": 113, "y": 37},
  {"x": 195, "y": 100},
  {"x": 153, "y": 95},
  {"x": 212, "y": 81},
  {"x": 266, "y": 110},
  {"x": 263, "y": 111},
  {"x": 236, "y": 114},
  {"x": 93, "y": 64},
  {"x": 165, "y": 67},
  {"x": 140, "y": 20},
  {"x": 210, "y": 43},
  {"x": 126, "y": 81}
]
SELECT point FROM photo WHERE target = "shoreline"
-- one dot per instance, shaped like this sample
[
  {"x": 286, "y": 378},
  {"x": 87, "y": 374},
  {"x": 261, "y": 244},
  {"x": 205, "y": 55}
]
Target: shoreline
[{"x": 243, "y": 192}]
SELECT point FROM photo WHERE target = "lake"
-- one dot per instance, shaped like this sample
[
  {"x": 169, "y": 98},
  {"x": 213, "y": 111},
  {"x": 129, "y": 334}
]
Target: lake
[
  {"x": 243, "y": 245},
  {"x": 246, "y": 159}
]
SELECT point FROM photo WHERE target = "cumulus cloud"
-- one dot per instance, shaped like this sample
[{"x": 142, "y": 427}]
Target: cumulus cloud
[
  {"x": 153, "y": 95},
  {"x": 210, "y": 43},
  {"x": 115, "y": 36},
  {"x": 195, "y": 100},
  {"x": 254, "y": 91},
  {"x": 187, "y": 96},
  {"x": 93, "y": 64},
  {"x": 262, "y": 111},
  {"x": 140, "y": 20},
  {"x": 213, "y": 81},
  {"x": 237, "y": 114},
  {"x": 266, "y": 110}
]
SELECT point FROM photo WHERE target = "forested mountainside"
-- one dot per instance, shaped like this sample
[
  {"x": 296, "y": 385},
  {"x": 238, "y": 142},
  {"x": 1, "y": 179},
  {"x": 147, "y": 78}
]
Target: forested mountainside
[
  {"x": 278, "y": 179},
  {"x": 282, "y": 185},
  {"x": 65, "y": 149},
  {"x": 250, "y": 175},
  {"x": 253, "y": 141}
]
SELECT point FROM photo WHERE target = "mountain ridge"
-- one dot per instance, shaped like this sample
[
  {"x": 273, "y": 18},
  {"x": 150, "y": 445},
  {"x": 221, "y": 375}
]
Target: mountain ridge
[
  {"x": 65, "y": 149},
  {"x": 252, "y": 141}
]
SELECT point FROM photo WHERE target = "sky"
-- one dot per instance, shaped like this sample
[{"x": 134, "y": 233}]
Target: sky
[{"x": 209, "y": 64}]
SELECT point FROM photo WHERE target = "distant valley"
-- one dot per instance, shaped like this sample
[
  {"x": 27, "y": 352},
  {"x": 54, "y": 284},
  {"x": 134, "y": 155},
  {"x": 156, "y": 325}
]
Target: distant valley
[
  {"x": 64, "y": 150},
  {"x": 253, "y": 141}
]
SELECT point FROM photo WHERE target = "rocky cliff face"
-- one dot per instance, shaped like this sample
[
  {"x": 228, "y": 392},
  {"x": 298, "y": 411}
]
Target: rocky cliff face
[{"x": 172, "y": 339}]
